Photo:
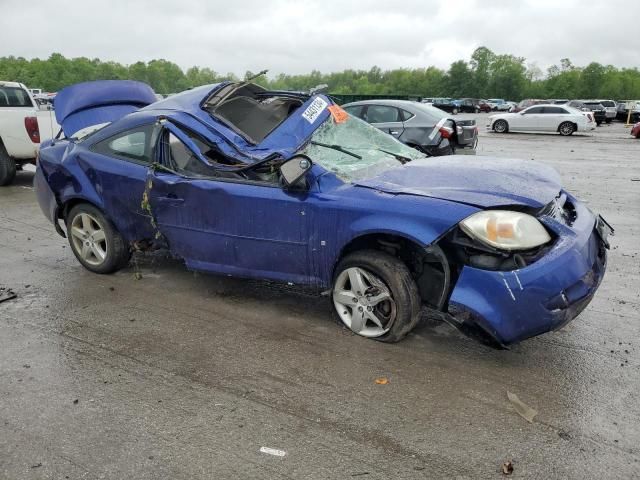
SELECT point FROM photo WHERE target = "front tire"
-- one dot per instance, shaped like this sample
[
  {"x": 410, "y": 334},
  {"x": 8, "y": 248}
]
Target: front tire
[
  {"x": 566, "y": 128},
  {"x": 454, "y": 111},
  {"x": 500, "y": 126},
  {"x": 7, "y": 167},
  {"x": 375, "y": 296},
  {"x": 94, "y": 240}
]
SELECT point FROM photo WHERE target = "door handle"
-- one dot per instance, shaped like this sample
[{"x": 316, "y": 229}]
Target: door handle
[
  {"x": 394, "y": 132},
  {"x": 171, "y": 199}
]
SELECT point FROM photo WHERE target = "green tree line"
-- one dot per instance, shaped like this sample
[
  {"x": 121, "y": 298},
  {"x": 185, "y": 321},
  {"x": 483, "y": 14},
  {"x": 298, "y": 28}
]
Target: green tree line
[{"x": 485, "y": 75}]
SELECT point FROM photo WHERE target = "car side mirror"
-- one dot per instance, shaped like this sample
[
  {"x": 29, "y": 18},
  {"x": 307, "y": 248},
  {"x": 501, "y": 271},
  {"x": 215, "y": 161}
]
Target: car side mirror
[{"x": 294, "y": 169}]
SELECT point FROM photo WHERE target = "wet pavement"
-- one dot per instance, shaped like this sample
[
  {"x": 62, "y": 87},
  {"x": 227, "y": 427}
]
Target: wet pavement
[{"x": 158, "y": 372}]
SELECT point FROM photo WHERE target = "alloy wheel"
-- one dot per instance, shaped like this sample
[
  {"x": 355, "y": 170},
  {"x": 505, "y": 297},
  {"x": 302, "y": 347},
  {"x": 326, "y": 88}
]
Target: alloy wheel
[
  {"x": 363, "y": 302},
  {"x": 500, "y": 126},
  {"x": 566, "y": 129},
  {"x": 89, "y": 239}
]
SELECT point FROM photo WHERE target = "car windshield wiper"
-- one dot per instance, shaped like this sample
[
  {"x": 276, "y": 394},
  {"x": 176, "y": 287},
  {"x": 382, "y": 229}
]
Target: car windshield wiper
[
  {"x": 336, "y": 147},
  {"x": 401, "y": 158}
]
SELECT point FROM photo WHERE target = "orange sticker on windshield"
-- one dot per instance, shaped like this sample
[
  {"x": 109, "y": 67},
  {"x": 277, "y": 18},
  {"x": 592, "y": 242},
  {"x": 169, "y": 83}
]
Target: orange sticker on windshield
[{"x": 338, "y": 114}]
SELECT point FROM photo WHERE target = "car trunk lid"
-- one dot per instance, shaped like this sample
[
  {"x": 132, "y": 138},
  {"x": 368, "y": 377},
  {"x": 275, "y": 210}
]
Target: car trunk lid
[{"x": 91, "y": 103}]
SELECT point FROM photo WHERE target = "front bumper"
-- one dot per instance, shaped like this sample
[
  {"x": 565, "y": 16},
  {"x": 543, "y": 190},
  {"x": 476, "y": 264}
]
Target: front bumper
[
  {"x": 586, "y": 127},
  {"x": 512, "y": 306}
]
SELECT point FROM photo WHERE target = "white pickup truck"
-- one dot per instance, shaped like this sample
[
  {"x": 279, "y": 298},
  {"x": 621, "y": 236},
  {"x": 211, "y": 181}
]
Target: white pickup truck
[{"x": 19, "y": 131}]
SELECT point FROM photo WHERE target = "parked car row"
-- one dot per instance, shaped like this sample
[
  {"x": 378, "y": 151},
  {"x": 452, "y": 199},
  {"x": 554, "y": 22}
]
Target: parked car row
[
  {"x": 463, "y": 105},
  {"x": 604, "y": 111}
]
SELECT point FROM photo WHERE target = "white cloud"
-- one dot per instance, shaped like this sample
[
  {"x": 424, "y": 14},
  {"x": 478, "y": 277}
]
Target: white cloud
[{"x": 330, "y": 35}]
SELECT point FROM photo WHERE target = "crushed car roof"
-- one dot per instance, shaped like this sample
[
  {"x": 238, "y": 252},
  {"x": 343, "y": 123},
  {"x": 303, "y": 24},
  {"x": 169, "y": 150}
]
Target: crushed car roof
[{"x": 119, "y": 102}]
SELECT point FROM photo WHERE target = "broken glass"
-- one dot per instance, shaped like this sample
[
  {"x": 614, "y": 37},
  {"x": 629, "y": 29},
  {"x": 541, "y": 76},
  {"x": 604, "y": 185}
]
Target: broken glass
[{"x": 354, "y": 150}]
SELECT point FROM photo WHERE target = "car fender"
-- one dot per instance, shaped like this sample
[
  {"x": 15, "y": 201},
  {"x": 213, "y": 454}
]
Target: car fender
[
  {"x": 410, "y": 229},
  {"x": 421, "y": 222}
]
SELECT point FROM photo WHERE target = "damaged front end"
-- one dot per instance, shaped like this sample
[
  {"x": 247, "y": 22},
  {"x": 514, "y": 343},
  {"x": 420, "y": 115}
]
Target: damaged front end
[{"x": 501, "y": 297}]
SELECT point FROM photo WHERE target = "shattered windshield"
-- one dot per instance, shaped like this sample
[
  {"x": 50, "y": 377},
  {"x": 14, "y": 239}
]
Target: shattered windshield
[{"x": 354, "y": 150}]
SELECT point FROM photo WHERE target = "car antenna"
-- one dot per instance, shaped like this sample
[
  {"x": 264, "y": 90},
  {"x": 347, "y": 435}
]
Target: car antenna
[{"x": 252, "y": 77}]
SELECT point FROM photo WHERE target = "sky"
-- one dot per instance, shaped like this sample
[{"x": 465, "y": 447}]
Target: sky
[{"x": 328, "y": 35}]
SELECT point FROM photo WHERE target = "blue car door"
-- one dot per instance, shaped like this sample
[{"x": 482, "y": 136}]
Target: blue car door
[
  {"x": 220, "y": 222},
  {"x": 118, "y": 169}
]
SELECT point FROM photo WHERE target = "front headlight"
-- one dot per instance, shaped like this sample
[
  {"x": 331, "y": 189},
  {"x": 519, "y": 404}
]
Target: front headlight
[{"x": 505, "y": 230}]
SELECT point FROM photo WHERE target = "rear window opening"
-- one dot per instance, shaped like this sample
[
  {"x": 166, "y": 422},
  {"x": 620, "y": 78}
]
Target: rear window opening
[
  {"x": 14, "y": 97},
  {"x": 251, "y": 110}
]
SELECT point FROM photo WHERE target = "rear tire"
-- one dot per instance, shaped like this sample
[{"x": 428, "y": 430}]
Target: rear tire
[
  {"x": 500, "y": 126},
  {"x": 375, "y": 296},
  {"x": 94, "y": 240},
  {"x": 454, "y": 111},
  {"x": 608, "y": 120},
  {"x": 566, "y": 128},
  {"x": 7, "y": 167}
]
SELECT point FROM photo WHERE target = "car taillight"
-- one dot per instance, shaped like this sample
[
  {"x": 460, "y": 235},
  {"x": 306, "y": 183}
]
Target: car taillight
[
  {"x": 31, "y": 124},
  {"x": 446, "y": 132}
]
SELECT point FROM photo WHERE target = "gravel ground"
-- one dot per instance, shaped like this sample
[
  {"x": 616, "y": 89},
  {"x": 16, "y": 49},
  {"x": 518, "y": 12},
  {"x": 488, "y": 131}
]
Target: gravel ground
[{"x": 157, "y": 372}]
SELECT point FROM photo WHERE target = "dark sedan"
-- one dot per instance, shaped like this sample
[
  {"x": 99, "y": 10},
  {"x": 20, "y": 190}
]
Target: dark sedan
[
  {"x": 420, "y": 126},
  {"x": 599, "y": 112},
  {"x": 474, "y": 105}
]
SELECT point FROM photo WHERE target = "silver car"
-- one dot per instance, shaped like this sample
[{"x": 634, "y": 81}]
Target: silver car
[
  {"x": 611, "y": 109},
  {"x": 420, "y": 126}
]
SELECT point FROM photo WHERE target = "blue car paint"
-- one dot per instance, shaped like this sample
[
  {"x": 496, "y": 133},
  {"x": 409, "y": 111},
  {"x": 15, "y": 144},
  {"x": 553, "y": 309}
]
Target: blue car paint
[
  {"x": 482, "y": 181},
  {"x": 518, "y": 304},
  {"x": 260, "y": 231},
  {"x": 93, "y": 103}
]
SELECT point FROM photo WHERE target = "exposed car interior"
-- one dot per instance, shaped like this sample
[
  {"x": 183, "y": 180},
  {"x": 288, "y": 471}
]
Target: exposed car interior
[
  {"x": 250, "y": 110},
  {"x": 180, "y": 159}
]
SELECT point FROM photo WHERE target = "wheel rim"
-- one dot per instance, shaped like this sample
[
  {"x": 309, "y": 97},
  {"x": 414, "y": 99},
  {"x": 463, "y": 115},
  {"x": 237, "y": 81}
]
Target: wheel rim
[
  {"x": 363, "y": 302},
  {"x": 89, "y": 239},
  {"x": 500, "y": 127},
  {"x": 566, "y": 129}
]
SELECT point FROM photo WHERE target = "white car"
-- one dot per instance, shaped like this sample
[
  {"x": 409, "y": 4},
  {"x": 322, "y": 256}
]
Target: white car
[
  {"x": 19, "y": 129},
  {"x": 499, "y": 104},
  {"x": 542, "y": 118}
]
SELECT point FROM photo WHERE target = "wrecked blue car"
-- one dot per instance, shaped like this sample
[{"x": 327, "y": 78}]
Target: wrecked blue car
[{"x": 284, "y": 186}]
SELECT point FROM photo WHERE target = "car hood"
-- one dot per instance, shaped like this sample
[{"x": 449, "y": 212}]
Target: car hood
[{"x": 479, "y": 181}]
